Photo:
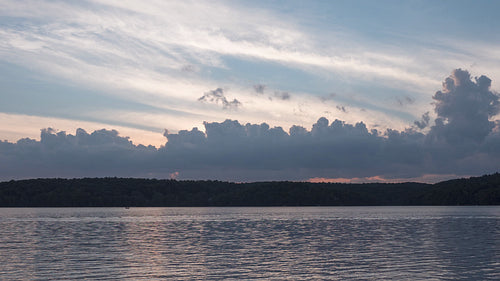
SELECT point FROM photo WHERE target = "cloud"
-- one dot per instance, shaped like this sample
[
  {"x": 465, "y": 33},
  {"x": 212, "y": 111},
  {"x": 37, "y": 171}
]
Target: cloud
[
  {"x": 189, "y": 68},
  {"x": 259, "y": 88},
  {"x": 402, "y": 101},
  {"x": 58, "y": 154},
  {"x": 217, "y": 96},
  {"x": 67, "y": 39},
  {"x": 427, "y": 178},
  {"x": 464, "y": 108},
  {"x": 462, "y": 141},
  {"x": 166, "y": 54},
  {"x": 16, "y": 126},
  {"x": 282, "y": 95},
  {"x": 328, "y": 98},
  {"x": 174, "y": 175},
  {"x": 341, "y": 108},
  {"x": 424, "y": 122}
]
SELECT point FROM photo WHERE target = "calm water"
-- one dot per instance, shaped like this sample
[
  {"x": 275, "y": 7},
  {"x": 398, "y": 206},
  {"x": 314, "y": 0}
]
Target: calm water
[{"x": 333, "y": 243}]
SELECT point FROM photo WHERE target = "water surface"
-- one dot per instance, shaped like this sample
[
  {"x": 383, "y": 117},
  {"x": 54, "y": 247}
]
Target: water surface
[{"x": 299, "y": 243}]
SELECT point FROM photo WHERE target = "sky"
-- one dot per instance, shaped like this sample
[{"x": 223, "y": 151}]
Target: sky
[{"x": 341, "y": 91}]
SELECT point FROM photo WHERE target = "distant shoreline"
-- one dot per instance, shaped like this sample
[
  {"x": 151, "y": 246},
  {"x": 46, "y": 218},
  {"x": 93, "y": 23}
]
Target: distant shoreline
[{"x": 133, "y": 192}]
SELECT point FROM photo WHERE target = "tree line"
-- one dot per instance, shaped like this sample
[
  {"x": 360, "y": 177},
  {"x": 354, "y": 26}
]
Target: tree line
[{"x": 129, "y": 192}]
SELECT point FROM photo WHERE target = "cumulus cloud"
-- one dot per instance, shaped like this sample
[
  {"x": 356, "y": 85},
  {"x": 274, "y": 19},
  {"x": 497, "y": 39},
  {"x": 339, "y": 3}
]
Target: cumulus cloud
[
  {"x": 464, "y": 108},
  {"x": 463, "y": 140},
  {"x": 58, "y": 154},
  {"x": 217, "y": 96}
]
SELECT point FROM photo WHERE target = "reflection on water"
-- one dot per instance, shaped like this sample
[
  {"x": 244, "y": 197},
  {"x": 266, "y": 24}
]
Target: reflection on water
[{"x": 335, "y": 243}]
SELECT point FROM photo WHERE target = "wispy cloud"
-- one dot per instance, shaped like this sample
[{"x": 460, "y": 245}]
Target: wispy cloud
[
  {"x": 167, "y": 54},
  {"x": 111, "y": 42}
]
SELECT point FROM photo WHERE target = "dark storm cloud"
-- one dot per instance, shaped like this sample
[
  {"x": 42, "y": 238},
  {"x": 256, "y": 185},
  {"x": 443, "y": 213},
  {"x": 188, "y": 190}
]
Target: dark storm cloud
[
  {"x": 462, "y": 140},
  {"x": 217, "y": 96}
]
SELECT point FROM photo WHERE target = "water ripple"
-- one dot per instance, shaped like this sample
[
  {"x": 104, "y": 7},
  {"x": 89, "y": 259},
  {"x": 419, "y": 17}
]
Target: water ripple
[{"x": 368, "y": 243}]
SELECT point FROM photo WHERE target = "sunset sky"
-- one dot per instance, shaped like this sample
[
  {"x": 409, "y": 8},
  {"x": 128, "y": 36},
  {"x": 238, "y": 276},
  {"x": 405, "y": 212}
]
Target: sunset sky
[{"x": 403, "y": 79}]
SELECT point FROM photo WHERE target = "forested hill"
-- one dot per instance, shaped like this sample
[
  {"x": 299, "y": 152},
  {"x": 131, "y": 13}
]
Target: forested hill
[{"x": 119, "y": 192}]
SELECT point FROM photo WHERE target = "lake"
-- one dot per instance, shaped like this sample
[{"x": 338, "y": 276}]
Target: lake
[{"x": 282, "y": 243}]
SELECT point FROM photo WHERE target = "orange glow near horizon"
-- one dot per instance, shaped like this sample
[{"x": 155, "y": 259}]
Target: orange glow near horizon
[
  {"x": 426, "y": 178},
  {"x": 352, "y": 180}
]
